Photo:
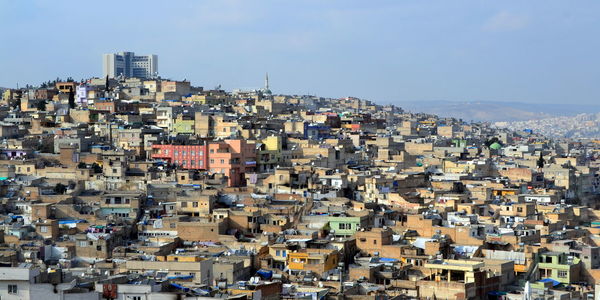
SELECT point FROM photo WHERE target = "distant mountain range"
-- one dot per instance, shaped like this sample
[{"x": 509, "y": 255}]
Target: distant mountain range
[{"x": 497, "y": 111}]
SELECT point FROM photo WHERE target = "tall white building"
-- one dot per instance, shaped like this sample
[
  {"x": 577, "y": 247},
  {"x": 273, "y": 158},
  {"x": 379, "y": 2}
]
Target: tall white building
[{"x": 130, "y": 65}]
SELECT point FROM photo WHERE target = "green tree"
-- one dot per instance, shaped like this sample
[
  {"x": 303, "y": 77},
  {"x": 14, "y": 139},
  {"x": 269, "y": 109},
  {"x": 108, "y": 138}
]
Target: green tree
[
  {"x": 17, "y": 103},
  {"x": 71, "y": 98},
  {"x": 41, "y": 105},
  {"x": 97, "y": 168},
  {"x": 541, "y": 161},
  {"x": 60, "y": 188}
]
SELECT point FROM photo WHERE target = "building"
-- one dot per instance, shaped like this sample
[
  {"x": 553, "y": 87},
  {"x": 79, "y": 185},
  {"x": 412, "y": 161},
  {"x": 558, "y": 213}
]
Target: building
[
  {"x": 559, "y": 266},
  {"x": 234, "y": 158},
  {"x": 27, "y": 282},
  {"x": 129, "y": 65},
  {"x": 194, "y": 157},
  {"x": 199, "y": 269}
]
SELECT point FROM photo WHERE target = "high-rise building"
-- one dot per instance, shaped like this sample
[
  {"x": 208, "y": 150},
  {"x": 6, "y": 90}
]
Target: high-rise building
[{"x": 130, "y": 65}]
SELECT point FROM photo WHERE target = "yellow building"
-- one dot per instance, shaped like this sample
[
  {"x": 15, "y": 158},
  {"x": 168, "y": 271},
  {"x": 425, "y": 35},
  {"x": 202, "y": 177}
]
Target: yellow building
[
  {"x": 269, "y": 153},
  {"x": 183, "y": 125},
  {"x": 195, "y": 204},
  {"x": 455, "y": 270},
  {"x": 315, "y": 260},
  {"x": 183, "y": 257}
]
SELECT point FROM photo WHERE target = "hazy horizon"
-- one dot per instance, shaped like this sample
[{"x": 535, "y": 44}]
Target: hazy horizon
[{"x": 385, "y": 51}]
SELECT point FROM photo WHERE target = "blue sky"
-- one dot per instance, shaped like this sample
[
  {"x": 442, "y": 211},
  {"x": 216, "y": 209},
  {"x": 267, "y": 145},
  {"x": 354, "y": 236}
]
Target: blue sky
[{"x": 393, "y": 51}]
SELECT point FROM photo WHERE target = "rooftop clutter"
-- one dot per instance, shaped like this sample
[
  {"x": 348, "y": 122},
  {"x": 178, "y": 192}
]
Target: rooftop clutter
[{"x": 162, "y": 189}]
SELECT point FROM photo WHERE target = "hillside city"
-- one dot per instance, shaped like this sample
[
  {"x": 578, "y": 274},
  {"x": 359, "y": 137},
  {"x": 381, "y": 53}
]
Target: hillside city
[
  {"x": 580, "y": 126},
  {"x": 133, "y": 186}
]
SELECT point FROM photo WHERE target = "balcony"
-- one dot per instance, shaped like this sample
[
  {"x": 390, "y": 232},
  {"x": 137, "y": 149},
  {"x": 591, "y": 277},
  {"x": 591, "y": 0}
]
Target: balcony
[{"x": 296, "y": 265}]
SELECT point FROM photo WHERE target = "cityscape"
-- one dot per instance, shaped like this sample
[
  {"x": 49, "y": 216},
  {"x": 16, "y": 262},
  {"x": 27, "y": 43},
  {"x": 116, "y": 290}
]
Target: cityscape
[{"x": 134, "y": 178}]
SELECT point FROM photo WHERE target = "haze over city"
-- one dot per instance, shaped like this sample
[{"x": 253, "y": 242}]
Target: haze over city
[{"x": 387, "y": 51}]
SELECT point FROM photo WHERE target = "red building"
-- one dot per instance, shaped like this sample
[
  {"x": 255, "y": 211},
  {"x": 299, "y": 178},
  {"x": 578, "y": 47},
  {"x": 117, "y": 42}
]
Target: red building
[
  {"x": 233, "y": 158},
  {"x": 194, "y": 157}
]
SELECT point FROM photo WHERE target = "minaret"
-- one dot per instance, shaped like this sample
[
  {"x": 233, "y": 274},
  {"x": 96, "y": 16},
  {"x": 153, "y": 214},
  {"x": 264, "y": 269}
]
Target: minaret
[{"x": 266, "y": 81}]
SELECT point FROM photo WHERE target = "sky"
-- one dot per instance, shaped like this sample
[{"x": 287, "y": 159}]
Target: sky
[{"x": 535, "y": 51}]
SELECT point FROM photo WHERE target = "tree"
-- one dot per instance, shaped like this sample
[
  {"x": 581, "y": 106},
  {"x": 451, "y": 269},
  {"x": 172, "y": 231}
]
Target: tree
[
  {"x": 71, "y": 98},
  {"x": 97, "y": 168},
  {"x": 541, "y": 161},
  {"x": 41, "y": 105},
  {"x": 60, "y": 188},
  {"x": 17, "y": 102}
]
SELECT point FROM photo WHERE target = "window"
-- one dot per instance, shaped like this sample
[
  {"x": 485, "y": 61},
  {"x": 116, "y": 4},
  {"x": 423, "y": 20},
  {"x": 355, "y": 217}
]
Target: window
[
  {"x": 222, "y": 161},
  {"x": 136, "y": 297},
  {"x": 284, "y": 253},
  {"x": 195, "y": 204},
  {"x": 278, "y": 252},
  {"x": 562, "y": 274},
  {"x": 83, "y": 243},
  {"x": 175, "y": 152},
  {"x": 44, "y": 229},
  {"x": 183, "y": 204},
  {"x": 345, "y": 226},
  {"x": 212, "y": 161},
  {"x": 12, "y": 288},
  {"x": 193, "y": 152},
  {"x": 182, "y": 152}
]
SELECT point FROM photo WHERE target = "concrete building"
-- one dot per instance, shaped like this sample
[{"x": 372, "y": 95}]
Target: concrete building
[
  {"x": 26, "y": 282},
  {"x": 130, "y": 65}
]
